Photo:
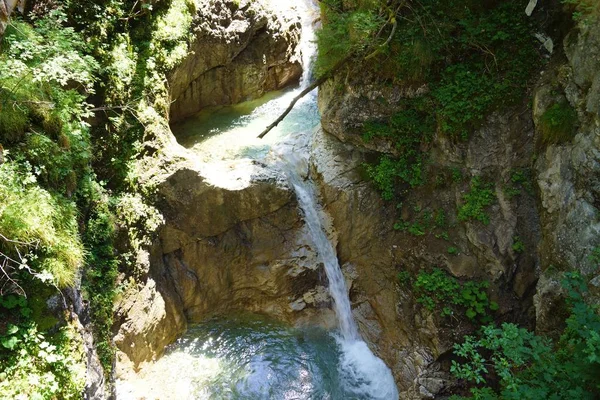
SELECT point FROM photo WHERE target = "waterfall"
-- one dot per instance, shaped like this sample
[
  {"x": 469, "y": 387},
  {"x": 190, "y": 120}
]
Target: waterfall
[
  {"x": 242, "y": 358},
  {"x": 308, "y": 45},
  {"x": 364, "y": 374},
  {"x": 337, "y": 286}
]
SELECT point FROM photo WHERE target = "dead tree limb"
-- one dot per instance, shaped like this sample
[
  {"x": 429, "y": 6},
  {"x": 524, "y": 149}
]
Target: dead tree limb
[{"x": 306, "y": 91}]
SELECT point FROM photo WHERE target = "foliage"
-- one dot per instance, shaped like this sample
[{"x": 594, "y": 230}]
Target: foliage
[
  {"x": 476, "y": 200},
  {"x": 453, "y": 250},
  {"x": 39, "y": 231},
  {"x": 518, "y": 245},
  {"x": 99, "y": 281},
  {"x": 438, "y": 289},
  {"x": 519, "y": 179},
  {"x": 345, "y": 32},
  {"x": 45, "y": 78},
  {"x": 35, "y": 365},
  {"x": 403, "y": 277},
  {"x": 558, "y": 124},
  {"x": 527, "y": 366},
  {"x": 585, "y": 11},
  {"x": 473, "y": 58},
  {"x": 409, "y": 130},
  {"x": 594, "y": 256}
]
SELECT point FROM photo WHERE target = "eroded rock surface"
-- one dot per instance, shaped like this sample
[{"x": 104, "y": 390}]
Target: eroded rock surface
[
  {"x": 409, "y": 338},
  {"x": 556, "y": 217},
  {"x": 233, "y": 241},
  {"x": 568, "y": 176},
  {"x": 242, "y": 49}
]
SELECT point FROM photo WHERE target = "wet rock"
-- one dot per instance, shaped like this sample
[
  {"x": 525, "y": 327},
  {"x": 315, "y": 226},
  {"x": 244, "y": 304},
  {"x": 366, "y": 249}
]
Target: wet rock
[{"x": 233, "y": 241}]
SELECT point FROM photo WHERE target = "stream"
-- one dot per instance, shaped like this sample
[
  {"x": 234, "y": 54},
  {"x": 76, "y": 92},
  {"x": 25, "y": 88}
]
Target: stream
[{"x": 248, "y": 356}]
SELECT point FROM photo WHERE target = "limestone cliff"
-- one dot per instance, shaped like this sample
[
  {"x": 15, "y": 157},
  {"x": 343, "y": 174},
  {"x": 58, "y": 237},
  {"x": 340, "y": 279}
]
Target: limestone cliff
[
  {"x": 241, "y": 50},
  {"x": 555, "y": 218}
]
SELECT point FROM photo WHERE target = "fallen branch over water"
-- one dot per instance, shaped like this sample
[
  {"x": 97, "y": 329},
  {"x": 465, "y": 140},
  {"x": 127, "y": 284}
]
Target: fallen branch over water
[{"x": 306, "y": 91}]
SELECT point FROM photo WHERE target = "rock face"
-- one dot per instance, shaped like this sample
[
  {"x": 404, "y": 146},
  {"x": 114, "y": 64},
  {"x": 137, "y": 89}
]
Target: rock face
[
  {"x": 7, "y": 7},
  {"x": 409, "y": 338},
  {"x": 242, "y": 49},
  {"x": 568, "y": 175},
  {"x": 233, "y": 241},
  {"x": 555, "y": 215}
]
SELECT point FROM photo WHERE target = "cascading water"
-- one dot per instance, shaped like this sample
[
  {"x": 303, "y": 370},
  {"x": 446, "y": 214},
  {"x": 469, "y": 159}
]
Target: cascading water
[
  {"x": 363, "y": 375},
  {"x": 337, "y": 285},
  {"x": 250, "y": 357}
]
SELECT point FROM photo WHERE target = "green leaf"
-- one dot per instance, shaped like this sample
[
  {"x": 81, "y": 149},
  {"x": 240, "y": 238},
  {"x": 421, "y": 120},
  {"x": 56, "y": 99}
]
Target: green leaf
[
  {"x": 11, "y": 329},
  {"x": 10, "y": 342}
]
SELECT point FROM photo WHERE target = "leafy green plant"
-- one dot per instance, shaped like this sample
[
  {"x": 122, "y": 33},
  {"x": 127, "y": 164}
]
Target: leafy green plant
[
  {"x": 408, "y": 129},
  {"x": 441, "y": 219},
  {"x": 453, "y": 250},
  {"x": 519, "y": 179},
  {"x": 558, "y": 124},
  {"x": 438, "y": 289},
  {"x": 518, "y": 245},
  {"x": 37, "y": 367},
  {"x": 585, "y": 11},
  {"x": 479, "y": 197},
  {"x": 403, "y": 277},
  {"x": 594, "y": 256},
  {"x": 457, "y": 175},
  {"x": 33, "y": 364},
  {"x": 527, "y": 366}
]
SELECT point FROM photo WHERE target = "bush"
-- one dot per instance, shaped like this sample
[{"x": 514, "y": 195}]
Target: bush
[
  {"x": 438, "y": 289},
  {"x": 531, "y": 367},
  {"x": 409, "y": 130},
  {"x": 35, "y": 365}
]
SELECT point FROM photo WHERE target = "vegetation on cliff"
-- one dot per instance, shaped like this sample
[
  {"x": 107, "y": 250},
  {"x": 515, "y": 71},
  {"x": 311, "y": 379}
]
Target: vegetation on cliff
[
  {"x": 472, "y": 57},
  {"x": 454, "y": 65},
  {"x": 81, "y": 88}
]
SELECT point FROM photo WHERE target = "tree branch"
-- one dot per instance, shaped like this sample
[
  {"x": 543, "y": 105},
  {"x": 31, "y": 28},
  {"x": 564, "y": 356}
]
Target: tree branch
[{"x": 306, "y": 91}]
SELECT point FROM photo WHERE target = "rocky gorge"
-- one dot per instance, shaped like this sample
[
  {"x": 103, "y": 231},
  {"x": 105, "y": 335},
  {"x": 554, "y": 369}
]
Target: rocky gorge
[
  {"x": 221, "y": 233},
  {"x": 241, "y": 247}
]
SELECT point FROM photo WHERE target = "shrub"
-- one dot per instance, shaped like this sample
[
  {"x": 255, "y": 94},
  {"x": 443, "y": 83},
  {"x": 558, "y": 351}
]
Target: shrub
[
  {"x": 438, "y": 289},
  {"x": 35, "y": 365},
  {"x": 531, "y": 367}
]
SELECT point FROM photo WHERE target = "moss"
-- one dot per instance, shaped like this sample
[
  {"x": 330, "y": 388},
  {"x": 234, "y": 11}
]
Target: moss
[
  {"x": 13, "y": 123},
  {"x": 558, "y": 124},
  {"x": 39, "y": 308}
]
